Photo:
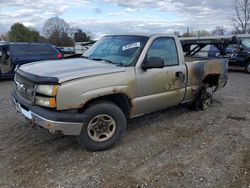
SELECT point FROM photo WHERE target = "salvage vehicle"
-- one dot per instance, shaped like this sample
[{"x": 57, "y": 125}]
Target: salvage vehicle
[
  {"x": 236, "y": 50},
  {"x": 119, "y": 77},
  {"x": 238, "y": 54},
  {"x": 16, "y": 54}
]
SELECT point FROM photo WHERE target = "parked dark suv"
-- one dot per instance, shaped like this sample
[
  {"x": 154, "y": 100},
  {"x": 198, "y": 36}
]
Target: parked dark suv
[{"x": 16, "y": 54}]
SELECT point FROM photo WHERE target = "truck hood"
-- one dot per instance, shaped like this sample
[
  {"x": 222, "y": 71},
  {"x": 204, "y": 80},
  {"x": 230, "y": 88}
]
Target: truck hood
[{"x": 64, "y": 70}]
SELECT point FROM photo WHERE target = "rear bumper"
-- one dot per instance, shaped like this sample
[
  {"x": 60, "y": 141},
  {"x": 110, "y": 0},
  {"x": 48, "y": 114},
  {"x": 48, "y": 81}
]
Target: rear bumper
[{"x": 67, "y": 123}]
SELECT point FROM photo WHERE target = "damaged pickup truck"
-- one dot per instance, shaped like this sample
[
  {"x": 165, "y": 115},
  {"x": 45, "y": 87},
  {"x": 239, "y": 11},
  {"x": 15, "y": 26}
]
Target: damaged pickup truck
[{"x": 120, "y": 77}]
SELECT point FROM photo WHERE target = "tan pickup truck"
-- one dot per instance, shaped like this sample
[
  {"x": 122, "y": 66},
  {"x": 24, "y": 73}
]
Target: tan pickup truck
[{"x": 119, "y": 77}]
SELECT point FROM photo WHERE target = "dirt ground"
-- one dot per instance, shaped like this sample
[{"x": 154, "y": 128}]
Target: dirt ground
[{"x": 176, "y": 147}]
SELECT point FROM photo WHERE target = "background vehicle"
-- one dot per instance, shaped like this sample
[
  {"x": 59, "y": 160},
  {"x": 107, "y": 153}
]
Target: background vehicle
[
  {"x": 17, "y": 54},
  {"x": 81, "y": 47},
  {"x": 66, "y": 51},
  {"x": 120, "y": 77},
  {"x": 238, "y": 54}
]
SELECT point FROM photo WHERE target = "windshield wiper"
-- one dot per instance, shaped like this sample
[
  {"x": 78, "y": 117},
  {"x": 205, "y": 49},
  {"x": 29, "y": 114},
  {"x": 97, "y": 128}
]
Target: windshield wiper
[
  {"x": 84, "y": 57},
  {"x": 108, "y": 61},
  {"x": 100, "y": 59}
]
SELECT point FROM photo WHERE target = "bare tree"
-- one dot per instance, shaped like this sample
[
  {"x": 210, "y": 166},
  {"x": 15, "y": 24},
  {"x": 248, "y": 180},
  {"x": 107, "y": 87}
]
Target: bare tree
[
  {"x": 55, "y": 25},
  {"x": 218, "y": 31},
  {"x": 58, "y": 32},
  {"x": 241, "y": 21},
  {"x": 4, "y": 37}
]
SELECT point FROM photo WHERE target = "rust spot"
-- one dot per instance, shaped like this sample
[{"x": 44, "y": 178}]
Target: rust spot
[
  {"x": 133, "y": 108},
  {"x": 49, "y": 126},
  {"x": 115, "y": 90},
  {"x": 81, "y": 105}
]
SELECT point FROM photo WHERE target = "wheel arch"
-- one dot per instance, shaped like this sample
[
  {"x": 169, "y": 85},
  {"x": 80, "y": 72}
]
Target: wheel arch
[
  {"x": 120, "y": 99},
  {"x": 211, "y": 80}
]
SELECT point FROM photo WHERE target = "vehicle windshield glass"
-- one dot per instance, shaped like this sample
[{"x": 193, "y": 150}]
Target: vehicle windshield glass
[
  {"x": 246, "y": 42},
  {"x": 120, "y": 50}
]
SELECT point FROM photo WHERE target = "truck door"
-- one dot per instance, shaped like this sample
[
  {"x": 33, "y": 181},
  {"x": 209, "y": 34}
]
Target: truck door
[{"x": 165, "y": 87}]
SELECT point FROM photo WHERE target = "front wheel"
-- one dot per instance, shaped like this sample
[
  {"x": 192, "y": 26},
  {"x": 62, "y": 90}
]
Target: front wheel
[
  {"x": 247, "y": 68},
  {"x": 104, "y": 125}
]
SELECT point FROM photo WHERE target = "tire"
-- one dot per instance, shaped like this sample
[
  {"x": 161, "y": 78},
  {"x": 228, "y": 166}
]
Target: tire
[
  {"x": 206, "y": 101},
  {"x": 202, "y": 101},
  {"x": 104, "y": 126},
  {"x": 247, "y": 68}
]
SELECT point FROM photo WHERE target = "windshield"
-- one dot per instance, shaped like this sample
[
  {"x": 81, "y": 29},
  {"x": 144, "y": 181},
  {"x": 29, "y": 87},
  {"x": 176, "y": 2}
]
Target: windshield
[
  {"x": 120, "y": 50},
  {"x": 246, "y": 42}
]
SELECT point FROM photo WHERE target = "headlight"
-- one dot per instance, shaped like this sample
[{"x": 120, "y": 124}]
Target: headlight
[
  {"x": 46, "y": 102},
  {"x": 49, "y": 90}
]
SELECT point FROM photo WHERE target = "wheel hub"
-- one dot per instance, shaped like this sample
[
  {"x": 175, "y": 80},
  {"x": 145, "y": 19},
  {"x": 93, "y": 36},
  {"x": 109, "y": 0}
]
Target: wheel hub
[{"x": 101, "y": 128}]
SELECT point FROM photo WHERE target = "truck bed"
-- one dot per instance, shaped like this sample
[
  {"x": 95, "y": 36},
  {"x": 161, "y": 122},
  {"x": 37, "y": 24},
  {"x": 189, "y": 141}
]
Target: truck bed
[
  {"x": 200, "y": 69},
  {"x": 192, "y": 58}
]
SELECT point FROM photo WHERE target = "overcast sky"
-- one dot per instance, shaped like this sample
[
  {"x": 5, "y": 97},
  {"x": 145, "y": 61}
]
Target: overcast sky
[{"x": 114, "y": 16}]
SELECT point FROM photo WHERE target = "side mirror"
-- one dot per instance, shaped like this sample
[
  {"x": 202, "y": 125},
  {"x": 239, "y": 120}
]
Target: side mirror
[{"x": 153, "y": 63}]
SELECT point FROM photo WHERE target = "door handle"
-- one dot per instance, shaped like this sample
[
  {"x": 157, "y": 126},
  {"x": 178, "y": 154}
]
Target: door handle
[{"x": 180, "y": 75}]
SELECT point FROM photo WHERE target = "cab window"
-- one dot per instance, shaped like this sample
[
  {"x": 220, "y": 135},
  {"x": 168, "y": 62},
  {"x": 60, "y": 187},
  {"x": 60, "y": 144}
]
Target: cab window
[{"x": 166, "y": 49}]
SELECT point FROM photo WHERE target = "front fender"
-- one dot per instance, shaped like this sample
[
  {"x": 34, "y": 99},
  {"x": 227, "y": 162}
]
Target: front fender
[{"x": 101, "y": 92}]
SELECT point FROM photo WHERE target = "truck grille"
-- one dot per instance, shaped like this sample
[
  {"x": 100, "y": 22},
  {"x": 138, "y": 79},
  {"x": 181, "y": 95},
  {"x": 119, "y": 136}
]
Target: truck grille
[{"x": 25, "y": 88}]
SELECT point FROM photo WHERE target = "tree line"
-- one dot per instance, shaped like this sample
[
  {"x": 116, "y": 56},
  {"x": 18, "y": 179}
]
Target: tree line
[
  {"x": 58, "y": 32},
  {"x": 55, "y": 31}
]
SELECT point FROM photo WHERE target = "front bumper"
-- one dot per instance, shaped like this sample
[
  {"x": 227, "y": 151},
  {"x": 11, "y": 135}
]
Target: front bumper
[{"x": 65, "y": 122}]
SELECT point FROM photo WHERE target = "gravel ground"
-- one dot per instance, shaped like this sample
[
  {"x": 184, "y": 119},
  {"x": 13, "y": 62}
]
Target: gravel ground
[{"x": 176, "y": 147}]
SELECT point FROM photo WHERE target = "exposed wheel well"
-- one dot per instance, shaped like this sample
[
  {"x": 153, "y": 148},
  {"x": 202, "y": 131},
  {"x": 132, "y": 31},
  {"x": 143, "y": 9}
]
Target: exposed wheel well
[
  {"x": 121, "y": 100},
  {"x": 211, "y": 79}
]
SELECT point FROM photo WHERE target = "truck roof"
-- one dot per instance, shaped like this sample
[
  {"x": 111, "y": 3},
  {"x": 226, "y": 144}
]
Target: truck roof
[{"x": 143, "y": 34}]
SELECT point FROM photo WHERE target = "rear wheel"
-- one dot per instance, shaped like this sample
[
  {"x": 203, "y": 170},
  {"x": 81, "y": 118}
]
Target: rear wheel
[
  {"x": 247, "y": 68},
  {"x": 206, "y": 101},
  {"x": 203, "y": 100},
  {"x": 105, "y": 124}
]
